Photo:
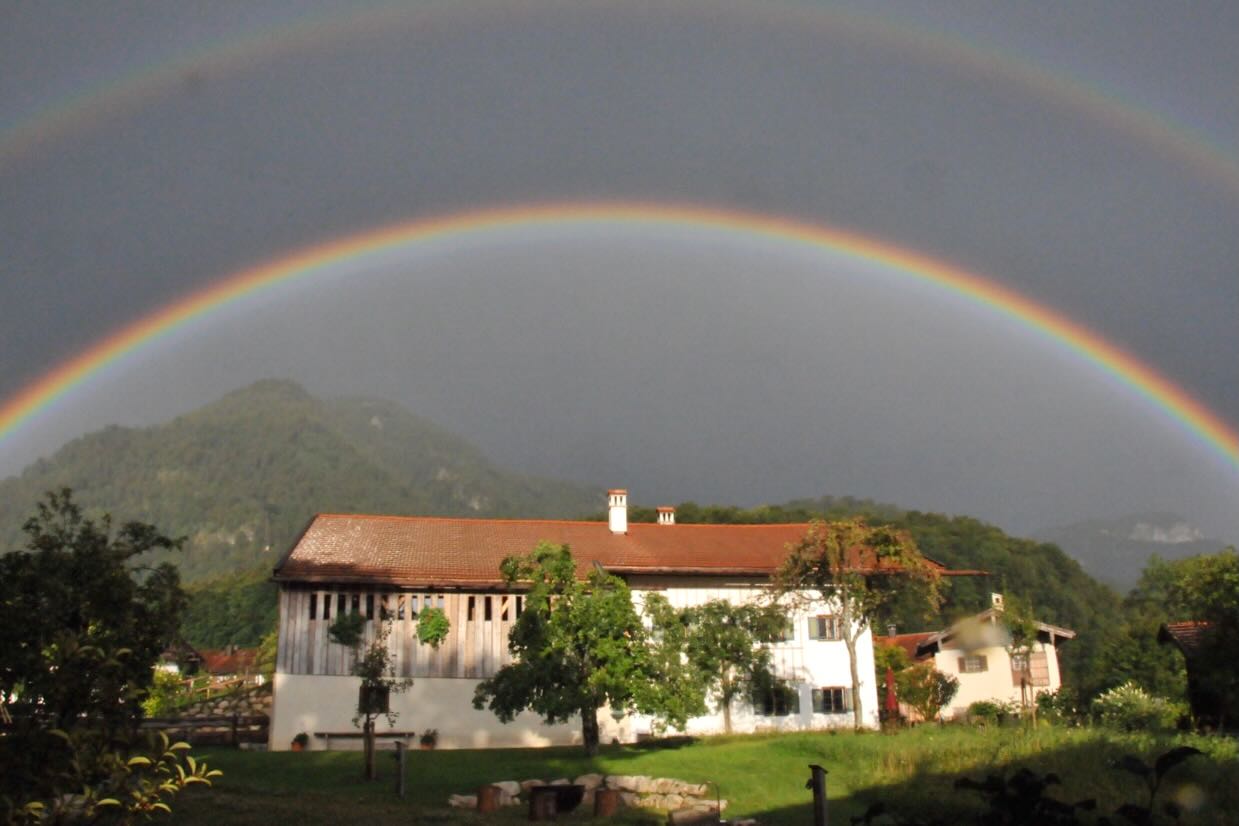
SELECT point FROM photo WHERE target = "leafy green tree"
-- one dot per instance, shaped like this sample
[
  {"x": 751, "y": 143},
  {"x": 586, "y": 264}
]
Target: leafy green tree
[
  {"x": 925, "y": 688},
  {"x": 375, "y": 664},
  {"x": 579, "y": 646},
  {"x": 726, "y": 646},
  {"x": 1207, "y": 589},
  {"x": 858, "y": 568},
  {"x": 82, "y": 623}
]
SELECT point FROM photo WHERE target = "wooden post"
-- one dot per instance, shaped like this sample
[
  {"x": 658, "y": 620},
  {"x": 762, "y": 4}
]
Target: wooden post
[
  {"x": 488, "y": 799},
  {"x": 400, "y": 752},
  {"x": 817, "y": 782},
  {"x": 606, "y": 802},
  {"x": 236, "y": 738}
]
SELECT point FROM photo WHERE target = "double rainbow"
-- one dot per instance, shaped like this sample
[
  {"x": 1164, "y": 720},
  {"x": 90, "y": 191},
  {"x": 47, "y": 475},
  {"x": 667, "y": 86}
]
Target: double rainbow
[{"x": 1163, "y": 394}]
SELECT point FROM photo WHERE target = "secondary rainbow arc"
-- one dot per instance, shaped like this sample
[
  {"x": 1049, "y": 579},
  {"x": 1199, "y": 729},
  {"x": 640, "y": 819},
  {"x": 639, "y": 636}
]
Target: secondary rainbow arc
[
  {"x": 1166, "y": 396},
  {"x": 1211, "y": 160}
]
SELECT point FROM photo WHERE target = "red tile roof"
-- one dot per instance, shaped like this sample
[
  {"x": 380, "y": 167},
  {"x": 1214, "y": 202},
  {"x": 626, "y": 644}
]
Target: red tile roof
[
  {"x": 1186, "y": 635},
  {"x": 456, "y": 552},
  {"x": 910, "y": 643},
  {"x": 224, "y": 661}
]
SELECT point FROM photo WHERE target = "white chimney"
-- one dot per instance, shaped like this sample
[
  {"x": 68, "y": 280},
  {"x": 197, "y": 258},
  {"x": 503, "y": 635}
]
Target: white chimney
[
  {"x": 617, "y": 510},
  {"x": 996, "y": 601},
  {"x": 666, "y": 515}
]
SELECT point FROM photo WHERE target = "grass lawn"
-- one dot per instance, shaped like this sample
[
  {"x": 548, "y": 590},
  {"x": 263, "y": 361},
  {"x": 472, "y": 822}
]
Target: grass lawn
[{"x": 763, "y": 776}]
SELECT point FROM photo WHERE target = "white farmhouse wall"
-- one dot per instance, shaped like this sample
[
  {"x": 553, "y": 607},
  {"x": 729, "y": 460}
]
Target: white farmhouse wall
[
  {"x": 805, "y": 663},
  {"x": 315, "y": 693},
  {"x": 317, "y": 703}
]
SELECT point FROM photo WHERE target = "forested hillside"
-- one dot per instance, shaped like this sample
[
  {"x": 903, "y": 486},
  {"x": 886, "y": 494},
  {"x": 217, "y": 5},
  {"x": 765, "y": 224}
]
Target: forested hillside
[{"x": 240, "y": 477}]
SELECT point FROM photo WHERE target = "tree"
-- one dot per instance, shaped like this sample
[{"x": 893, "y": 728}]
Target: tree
[
  {"x": 1020, "y": 630},
  {"x": 1207, "y": 588},
  {"x": 579, "y": 645},
  {"x": 374, "y": 664},
  {"x": 82, "y": 623},
  {"x": 725, "y": 646},
  {"x": 925, "y": 688},
  {"x": 858, "y": 568}
]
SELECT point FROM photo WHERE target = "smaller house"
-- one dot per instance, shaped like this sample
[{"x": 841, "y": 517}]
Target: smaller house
[
  {"x": 180, "y": 658},
  {"x": 976, "y": 651},
  {"x": 1208, "y": 708},
  {"x": 232, "y": 663}
]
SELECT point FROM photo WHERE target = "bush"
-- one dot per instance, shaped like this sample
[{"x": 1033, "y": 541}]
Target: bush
[
  {"x": 1130, "y": 708},
  {"x": 984, "y": 712}
]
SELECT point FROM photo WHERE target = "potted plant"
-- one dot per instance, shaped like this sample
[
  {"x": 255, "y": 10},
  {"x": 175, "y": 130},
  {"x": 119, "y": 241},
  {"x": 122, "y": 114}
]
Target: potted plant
[
  {"x": 300, "y": 741},
  {"x": 429, "y": 739}
]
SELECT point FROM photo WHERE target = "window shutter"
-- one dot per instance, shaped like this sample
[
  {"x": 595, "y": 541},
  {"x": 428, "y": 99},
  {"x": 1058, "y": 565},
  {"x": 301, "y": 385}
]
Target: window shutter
[
  {"x": 1040, "y": 669},
  {"x": 962, "y": 663}
]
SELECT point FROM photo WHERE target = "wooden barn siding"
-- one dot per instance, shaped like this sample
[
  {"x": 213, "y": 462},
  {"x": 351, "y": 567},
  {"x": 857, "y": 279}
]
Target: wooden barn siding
[{"x": 474, "y": 649}]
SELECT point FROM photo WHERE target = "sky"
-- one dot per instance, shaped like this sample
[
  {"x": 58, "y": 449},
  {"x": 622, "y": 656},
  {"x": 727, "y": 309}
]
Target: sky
[{"x": 1085, "y": 156}]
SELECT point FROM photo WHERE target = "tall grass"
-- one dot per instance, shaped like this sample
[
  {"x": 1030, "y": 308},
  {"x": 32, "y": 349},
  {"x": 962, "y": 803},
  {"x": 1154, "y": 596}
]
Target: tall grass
[{"x": 762, "y": 776}]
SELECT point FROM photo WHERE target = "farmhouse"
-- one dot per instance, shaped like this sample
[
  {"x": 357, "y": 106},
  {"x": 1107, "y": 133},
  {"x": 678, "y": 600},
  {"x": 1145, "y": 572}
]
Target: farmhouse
[
  {"x": 975, "y": 651},
  {"x": 394, "y": 567}
]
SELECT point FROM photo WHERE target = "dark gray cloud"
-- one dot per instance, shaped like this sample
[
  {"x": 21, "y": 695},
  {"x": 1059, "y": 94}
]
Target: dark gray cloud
[{"x": 684, "y": 366}]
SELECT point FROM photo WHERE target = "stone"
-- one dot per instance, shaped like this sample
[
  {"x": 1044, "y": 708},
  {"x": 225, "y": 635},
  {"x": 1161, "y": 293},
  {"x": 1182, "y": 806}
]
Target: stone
[
  {"x": 629, "y": 799},
  {"x": 625, "y": 782},
  {"x": 587, "y": 799},
  {"x": 463, "y": 801},
  {"x": 526, "y": 785},
  {"x": 589, "y": 781},
  {"x": 644, "y": 785},
  {"x": 561, "y": 781},
  {"x": 665, "y": 784},
  {"x": 673, "y": 801},
  {"x": 509, "y": 787}
]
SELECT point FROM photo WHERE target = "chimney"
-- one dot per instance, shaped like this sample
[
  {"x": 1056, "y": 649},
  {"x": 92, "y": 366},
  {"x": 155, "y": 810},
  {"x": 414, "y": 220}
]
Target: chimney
[
  {"x": 617, "y": 510},
  {"x": 996, "y": 601},
  {"x": 666, "y": 515},
  {"x": 891, "y": 630}
]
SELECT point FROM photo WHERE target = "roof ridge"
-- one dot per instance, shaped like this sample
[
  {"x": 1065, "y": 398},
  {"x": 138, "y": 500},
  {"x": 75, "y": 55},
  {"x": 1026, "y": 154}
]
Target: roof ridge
[{"x": 506, "y": 520}]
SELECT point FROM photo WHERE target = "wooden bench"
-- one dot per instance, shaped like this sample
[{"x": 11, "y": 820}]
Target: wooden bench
[{"x": 328, "y": 736}]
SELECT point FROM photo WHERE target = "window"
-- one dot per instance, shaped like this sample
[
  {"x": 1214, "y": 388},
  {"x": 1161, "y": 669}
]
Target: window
[
  {"x": 486, "y": 609},
  {"x": 356, "y": 603},
  {"x": 832, "y": 700},
  {"x": 313, "y": 606},
  {"x": 777, "y": 700},
  {"x": 340, "y": 603},
  {"x": 326, "y": 606},
  {"x": 469, "y": 608},
  {"x": 400, "y": 608},
  {"x": 825, "y": 627},
  {"x": 1031, "y": 667},
  {"x": 520, "y": 605},
  {"x": 788, "y": 634},
  {"x": 369, "y": 606},
  {"x": 503, "y": 608},
  {"x": 973, "y": 664}
]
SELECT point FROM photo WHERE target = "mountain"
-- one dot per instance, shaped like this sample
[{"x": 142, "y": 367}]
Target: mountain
[
  {"x": 1116, "y": 550},
  {"x": 241, "y": 476}
]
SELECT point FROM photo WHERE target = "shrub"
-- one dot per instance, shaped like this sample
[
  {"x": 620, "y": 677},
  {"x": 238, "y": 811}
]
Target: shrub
[
  {"x": 166, "y": 694},
  {"x": 1130, "y": 708},
  {"x": 984, "y": 712}
]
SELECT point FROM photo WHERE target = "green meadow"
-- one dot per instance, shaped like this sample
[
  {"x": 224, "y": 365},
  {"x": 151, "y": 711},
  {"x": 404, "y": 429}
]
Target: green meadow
[{"x": 762, "y": 776}]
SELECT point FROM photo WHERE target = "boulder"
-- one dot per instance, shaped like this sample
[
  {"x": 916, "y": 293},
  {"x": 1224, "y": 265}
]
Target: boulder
[
  {"x": 463, "y": 801},
  {"x": 509, "y": 787},
  {"x": 673, "y": 801},
  {"x": 644, "y": 785},
  {"x": 526, "y": 785},
  {"x": 629, "y": 799},
  {"x": 589, "y": 781},
  {"x": 561, "y": 781}
]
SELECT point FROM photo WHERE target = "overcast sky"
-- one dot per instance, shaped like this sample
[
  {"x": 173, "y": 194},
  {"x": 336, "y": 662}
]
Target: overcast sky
[{"x": 1085, "y": 155}]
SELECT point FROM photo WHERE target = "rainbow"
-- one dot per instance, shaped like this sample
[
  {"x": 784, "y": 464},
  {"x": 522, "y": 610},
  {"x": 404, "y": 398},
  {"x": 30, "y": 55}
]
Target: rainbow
[
  {"x": 1146, "y": 382},
  {"x": 119, "y": 96}
]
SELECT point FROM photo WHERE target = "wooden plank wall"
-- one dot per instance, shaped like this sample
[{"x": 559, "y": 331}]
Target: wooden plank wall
[{"x": 475, "y": 647}]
